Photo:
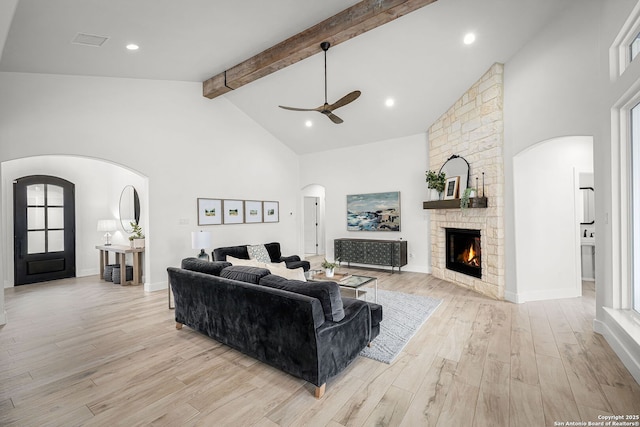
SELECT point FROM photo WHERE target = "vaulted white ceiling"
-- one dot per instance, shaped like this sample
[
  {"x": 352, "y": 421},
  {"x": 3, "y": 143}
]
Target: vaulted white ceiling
[{"x": 419, "y": 59}]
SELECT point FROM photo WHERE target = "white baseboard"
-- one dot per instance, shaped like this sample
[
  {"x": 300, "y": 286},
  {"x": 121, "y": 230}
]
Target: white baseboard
[
  {"x": 623, "y": 344},
  {"x": 153, "y": 287},
  {"x": 522, "y": 297}
]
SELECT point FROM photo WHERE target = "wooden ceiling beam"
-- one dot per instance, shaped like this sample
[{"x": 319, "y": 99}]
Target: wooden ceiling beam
[{"x": 351, "y": 22}]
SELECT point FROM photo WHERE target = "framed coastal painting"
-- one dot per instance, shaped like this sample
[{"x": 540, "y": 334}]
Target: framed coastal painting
[
  {"x": 233, "y": 211},
  {"x": 271, "y": 211},
  {"x": 252, "y": 211},
  {"x": 209, "y": 211},
  {"x": 373, "y": 212}
]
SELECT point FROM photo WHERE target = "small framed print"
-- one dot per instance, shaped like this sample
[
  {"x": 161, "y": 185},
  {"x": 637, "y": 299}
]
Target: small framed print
[
  {"x": 271, "y": 211},
  {"x": 233, "y": 211},
  {"x": 252, "y": 211},
  {"x": 451, "y": 188},
  {"x": 209, "y": 211}
]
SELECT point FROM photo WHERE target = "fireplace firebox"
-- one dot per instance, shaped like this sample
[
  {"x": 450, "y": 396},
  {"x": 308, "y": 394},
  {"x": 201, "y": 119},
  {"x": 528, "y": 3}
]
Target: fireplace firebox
[{"x": 463, "y": 251}]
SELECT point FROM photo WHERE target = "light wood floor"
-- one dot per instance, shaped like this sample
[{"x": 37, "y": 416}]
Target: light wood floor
[{"x": 87, "y": 352}]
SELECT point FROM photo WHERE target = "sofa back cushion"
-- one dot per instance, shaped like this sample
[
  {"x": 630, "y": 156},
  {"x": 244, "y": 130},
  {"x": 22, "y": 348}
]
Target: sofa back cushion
[
  {"x": 244, "y": 273},
  {"x": 195, "y": 264},
  {"x": 220, "y": 254},
  {"x": 327, "y": 292},
  {"x": 274, "y": 251}
]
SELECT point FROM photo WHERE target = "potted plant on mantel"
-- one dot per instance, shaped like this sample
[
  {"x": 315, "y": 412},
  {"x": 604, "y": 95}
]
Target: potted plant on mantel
[
  {"x": 435, "y": 181},
  {"x": 137, "y": 238},
  {"x": 329, "y": 267}
]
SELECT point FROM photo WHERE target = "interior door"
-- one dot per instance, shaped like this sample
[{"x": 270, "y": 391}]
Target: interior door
[
  {"x": 311, "y": 225},
  {"x": 44, "y": 229}
]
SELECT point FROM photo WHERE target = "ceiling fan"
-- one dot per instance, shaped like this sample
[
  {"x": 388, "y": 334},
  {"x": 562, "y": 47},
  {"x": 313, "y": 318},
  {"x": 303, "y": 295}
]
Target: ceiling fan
[{"x": 327, "y": 109}]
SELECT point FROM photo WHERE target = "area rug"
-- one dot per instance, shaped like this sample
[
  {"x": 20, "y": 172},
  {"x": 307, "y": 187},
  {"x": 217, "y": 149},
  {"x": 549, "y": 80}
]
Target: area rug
[{"x": 402, "y": 316}]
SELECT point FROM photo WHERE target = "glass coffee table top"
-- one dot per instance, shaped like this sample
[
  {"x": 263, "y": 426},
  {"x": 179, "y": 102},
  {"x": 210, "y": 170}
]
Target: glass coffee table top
[{"x": 350, "y": 281}]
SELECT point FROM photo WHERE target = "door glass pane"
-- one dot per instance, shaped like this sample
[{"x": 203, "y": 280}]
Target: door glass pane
[
  {"x": 55, "y": 218},
  {"x": 55, "y": 195},
  {"x": 35, "y": 218},
  {"x": 35, "y": 242},
  {"x": 35, "y": 194},
  {"x": 56, "y": 241}
]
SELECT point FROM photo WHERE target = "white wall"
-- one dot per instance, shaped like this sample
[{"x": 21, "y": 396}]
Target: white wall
[
  {"x": 393, "y": 165},
  {"x": 547, "y": 230},
  {"x": 552, "y": 89},
  {"x": 95, "y": 199},
  {"x": 187, "y": 146}
]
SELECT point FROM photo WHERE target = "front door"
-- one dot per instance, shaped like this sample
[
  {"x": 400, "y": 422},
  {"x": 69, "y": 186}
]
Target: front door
[{"x": 44, "y": 229}]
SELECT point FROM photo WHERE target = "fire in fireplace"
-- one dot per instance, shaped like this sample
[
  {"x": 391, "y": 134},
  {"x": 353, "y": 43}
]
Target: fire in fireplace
[{"x": 463, "y": 251}]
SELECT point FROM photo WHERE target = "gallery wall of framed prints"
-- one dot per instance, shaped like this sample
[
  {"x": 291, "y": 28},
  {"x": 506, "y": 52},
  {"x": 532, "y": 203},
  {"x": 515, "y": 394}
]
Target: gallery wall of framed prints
[{"x": 233, "y": 211}]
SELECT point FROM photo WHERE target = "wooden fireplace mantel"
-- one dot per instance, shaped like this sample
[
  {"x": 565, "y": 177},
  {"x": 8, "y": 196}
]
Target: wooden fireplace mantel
[{"x": 474, "y": 203}]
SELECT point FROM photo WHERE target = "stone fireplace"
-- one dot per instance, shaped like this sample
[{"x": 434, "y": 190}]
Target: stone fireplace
[{"x": 473, "y": 128}]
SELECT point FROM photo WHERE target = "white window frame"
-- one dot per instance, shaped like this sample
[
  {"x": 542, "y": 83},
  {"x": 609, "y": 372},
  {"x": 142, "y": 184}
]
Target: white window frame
[{"x": 620, "y": 51}]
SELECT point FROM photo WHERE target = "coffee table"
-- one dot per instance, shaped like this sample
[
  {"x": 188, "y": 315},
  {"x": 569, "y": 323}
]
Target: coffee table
[{"x": 348, "y": 281}]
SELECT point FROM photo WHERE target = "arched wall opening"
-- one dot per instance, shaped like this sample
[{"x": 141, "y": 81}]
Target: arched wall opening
[
  {"x": 546, "y": 181},
  {"x": 98, "y": 186}
]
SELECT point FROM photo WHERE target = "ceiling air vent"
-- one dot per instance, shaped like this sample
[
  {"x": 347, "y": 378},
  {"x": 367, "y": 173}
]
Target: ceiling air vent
[{"x": 89, "y": 40}]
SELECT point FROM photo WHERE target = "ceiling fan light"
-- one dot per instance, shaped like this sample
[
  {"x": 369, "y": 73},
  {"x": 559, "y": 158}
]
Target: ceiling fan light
[
  {"x": 308, "y": 123},
  {"x": 469, "y": 38}
]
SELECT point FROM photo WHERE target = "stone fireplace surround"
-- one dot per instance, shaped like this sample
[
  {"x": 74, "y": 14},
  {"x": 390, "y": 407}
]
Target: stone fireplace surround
[{"x": 473, "y": 128}]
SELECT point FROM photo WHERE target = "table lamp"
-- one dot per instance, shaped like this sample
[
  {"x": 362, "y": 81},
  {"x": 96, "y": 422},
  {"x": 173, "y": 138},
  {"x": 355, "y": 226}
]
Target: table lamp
[
  {"x": 107, "y": 225},
  {"x": 201, "y": 240}
]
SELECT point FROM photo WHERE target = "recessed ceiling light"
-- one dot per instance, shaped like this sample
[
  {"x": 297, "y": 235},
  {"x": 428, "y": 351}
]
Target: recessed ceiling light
[
  {"x": 469, "y": 38},
  {"x": 133, "y": 46},
  {"x": 308, "y": 123},
  {"x": 390, "y": 102}
]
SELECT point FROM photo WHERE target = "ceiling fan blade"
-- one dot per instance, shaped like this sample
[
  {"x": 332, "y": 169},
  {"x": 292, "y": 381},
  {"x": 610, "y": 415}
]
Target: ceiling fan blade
[
  {"x": 335, "y": 119},
  {"x": 298, "y": 109},
  {"x": 350, "y": 97}
]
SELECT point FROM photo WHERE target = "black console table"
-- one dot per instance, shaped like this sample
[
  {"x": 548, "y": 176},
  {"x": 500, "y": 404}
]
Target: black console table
[{"x": 371, "y": 251}]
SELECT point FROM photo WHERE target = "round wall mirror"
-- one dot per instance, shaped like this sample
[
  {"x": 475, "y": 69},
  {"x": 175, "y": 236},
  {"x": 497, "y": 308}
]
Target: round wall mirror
[
  {"x": 457, "y": 166},
  {"x": 129, "y": 208}
]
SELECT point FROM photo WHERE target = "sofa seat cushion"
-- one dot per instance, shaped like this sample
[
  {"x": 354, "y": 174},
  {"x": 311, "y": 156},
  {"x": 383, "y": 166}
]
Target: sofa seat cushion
[
  {"x": 196, "y": 264},
  {"x": 259, "y": 253},
  {"x": 327, "y": 292},
  {"x": 244, "y": 273}
]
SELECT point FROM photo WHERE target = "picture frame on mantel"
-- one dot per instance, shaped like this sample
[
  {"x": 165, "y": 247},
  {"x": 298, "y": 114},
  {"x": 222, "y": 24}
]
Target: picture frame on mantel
[
  {"x": 209, "y": 211},
  {"x": 233, "y": 211},
  {"x": 451, "y": 188},
  {"x": 271, "y": 212}
]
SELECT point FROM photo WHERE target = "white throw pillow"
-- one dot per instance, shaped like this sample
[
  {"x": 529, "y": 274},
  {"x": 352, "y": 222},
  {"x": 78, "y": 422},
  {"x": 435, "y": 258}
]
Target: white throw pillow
[
  {"x": 258, "y": 252},
  {"x": 247, "y": 262},
  {"x": 287, "y": 273}
]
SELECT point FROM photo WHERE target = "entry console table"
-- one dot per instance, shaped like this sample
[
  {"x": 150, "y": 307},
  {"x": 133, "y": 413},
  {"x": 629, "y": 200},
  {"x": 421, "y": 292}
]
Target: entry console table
[
  {"x": 371, "y": 251},
  {"x": 121, "y": 253}
]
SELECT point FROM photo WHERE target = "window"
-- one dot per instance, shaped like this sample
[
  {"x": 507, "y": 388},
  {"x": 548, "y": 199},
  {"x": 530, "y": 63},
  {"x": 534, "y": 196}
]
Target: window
[
  {"x": 635, "y": 205},
  {"x": 634, "y": 47}
]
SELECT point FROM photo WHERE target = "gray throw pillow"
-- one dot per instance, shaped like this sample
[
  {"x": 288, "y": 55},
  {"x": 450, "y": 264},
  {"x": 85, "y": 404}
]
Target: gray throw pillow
[{"x": 259, "y": 253}]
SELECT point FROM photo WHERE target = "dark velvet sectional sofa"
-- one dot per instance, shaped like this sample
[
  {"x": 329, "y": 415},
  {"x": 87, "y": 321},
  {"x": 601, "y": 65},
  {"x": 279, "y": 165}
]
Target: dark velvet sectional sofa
[
  {"x": 303, "y": 328},
  {"x": 292, "y": 261}
]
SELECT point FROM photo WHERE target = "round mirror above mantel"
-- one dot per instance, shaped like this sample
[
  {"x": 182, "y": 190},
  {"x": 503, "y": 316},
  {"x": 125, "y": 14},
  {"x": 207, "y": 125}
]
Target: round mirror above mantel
[{"x": 129, "y": 208}]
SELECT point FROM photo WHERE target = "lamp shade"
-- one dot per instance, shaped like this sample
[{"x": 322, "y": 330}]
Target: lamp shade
[
  {"x": 200, "y": 239},
  {"x": 107, "y": 225}
]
